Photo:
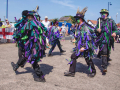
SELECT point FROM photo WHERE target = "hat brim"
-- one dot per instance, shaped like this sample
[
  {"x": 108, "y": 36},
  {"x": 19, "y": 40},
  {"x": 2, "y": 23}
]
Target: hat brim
[
  {"x": 104, "y": 12},
  {"x": 30, "y": 15},
  {"x": 77, "y": 17}
]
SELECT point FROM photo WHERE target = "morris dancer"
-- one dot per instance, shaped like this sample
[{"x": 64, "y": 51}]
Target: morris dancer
[
  {"x": 29, "y": 36},
  {"x": 84, "y": 44},
  {"x": 54, "y": 36},
  {"x": 106, "y": 29}
]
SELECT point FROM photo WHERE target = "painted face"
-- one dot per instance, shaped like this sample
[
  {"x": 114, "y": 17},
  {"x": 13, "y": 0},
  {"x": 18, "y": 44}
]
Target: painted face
[
  {"x": 78, "y": 21},
  {"x": 30, "y": 17},
  {"x": 103, "y": 15}
]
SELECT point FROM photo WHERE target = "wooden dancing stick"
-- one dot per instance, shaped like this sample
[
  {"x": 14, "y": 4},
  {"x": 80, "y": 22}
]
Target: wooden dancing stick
[
  {"x": 75, "y": 35},
  {"x": 76, "y": 31},
  {"x": 99, "y": 23},
  {"x": 99, "y": 26}
]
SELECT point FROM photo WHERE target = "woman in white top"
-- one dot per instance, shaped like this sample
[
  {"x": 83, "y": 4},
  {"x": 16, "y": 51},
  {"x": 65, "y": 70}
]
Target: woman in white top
[{"x": 63, "y": 31}]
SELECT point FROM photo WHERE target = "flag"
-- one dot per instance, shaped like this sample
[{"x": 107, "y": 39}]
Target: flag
[{"x": 6, "y": 33}]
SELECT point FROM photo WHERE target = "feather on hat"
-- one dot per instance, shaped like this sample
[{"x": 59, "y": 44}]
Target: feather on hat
[{"x": 81, "y": 14}]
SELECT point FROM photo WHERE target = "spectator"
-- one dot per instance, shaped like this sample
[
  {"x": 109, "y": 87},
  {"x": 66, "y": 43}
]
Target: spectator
[
  {"x": 72, "y": 32},
  {"x": 8, "y": 25},
  {"x": 1, "y": 23},
  {"x": 67, "y": 30},
  {"x": 63, "y": 31},
  {"x": 50, "y": 24},
  {"x": 47, "y": 24},
  {"x": 5, "y": 23}
]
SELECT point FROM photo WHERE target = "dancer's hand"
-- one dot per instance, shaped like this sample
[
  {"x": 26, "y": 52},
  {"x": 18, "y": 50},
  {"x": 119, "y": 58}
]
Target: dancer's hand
[
  {"x": 114, "y": 35},
  {"x": 99, "y": 30},
  {"x": 82, "y": 49}
]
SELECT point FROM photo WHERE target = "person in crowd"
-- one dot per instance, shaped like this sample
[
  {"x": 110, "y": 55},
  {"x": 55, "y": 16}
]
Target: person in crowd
[
  {"x": 8, "y": 25},
  {"x": 5, "y": 22},
  {"x": 46, "y": 24},
  {"x": 67, "y": 30},
  {"x": 63, "y": 31},
  {"x": 72, "y": 32},
  {"x": 1, "y": 23}
]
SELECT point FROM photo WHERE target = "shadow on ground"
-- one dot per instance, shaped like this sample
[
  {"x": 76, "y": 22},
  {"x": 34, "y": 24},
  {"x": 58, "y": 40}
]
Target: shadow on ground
[
  {"x": 57, "y": 53},
  {"x": 45, "y": 68},
  {"x": 82, "y": 68}
]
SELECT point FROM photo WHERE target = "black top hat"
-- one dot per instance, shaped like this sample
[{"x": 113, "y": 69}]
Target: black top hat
[
  {"x": 104, "y": 11},
  {"x": 24, "y": 13},
  {"x": 80, "y": 14},
  {"x": 31, "y": 13}
]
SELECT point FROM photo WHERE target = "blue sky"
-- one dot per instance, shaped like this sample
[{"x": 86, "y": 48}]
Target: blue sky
[{"x": 58, "y": 8}]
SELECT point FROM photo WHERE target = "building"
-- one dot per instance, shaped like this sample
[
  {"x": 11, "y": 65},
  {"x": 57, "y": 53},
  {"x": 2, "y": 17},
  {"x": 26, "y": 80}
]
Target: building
[
  {"x": 118, "y": 25},
  {"x": 92, "y": 22},
  {"x": 65, "y": 19}
]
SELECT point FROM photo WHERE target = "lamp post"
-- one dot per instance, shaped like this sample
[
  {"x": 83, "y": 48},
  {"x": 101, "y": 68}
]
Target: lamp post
[
  {"x": 116, "y": 18},
  {"x": 6, "y": 8},
  {"x": 109, "y": 3}
]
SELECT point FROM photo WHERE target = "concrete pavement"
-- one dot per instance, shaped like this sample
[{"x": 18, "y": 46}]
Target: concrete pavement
[{"x": 54, "y": 67}]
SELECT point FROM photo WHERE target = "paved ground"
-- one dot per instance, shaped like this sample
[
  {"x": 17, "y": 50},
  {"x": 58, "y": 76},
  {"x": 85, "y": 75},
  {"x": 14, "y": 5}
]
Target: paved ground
[{"x": 53, "y": 68}]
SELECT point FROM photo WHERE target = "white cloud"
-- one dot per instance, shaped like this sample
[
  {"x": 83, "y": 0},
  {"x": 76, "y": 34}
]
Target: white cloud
[{"x": 67, "y": 3}]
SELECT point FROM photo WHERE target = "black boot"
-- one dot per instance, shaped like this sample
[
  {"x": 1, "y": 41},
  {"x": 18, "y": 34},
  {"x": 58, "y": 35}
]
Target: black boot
[
  {"x": 69, "y": 74},
  {"x": 22, "y": 66},
  {"x": 43, "y": 52},
  {"x": 15, "y": 66},
  {"x": 62, "y": 51},
  {"x": 49, "y": 55},
  {"x": 109, "y": 59},
  {"x": 40, "y": 79},
  {"x": 104, "y": 70},
  {"x": 91, "y": 75}
]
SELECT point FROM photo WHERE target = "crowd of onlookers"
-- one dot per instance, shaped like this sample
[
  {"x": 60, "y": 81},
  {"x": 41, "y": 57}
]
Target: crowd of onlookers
[
  {"x": 6, "y": 23},
  {"x": 63, "y": 29}
]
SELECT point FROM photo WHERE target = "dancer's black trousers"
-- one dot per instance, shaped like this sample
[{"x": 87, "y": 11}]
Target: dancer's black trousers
[
  {"x": 22, "y": 60},
  {"x": 105, "y": 55},
  {"x": 88, "y": 61},
  {"x": 55, "y": 42}
]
